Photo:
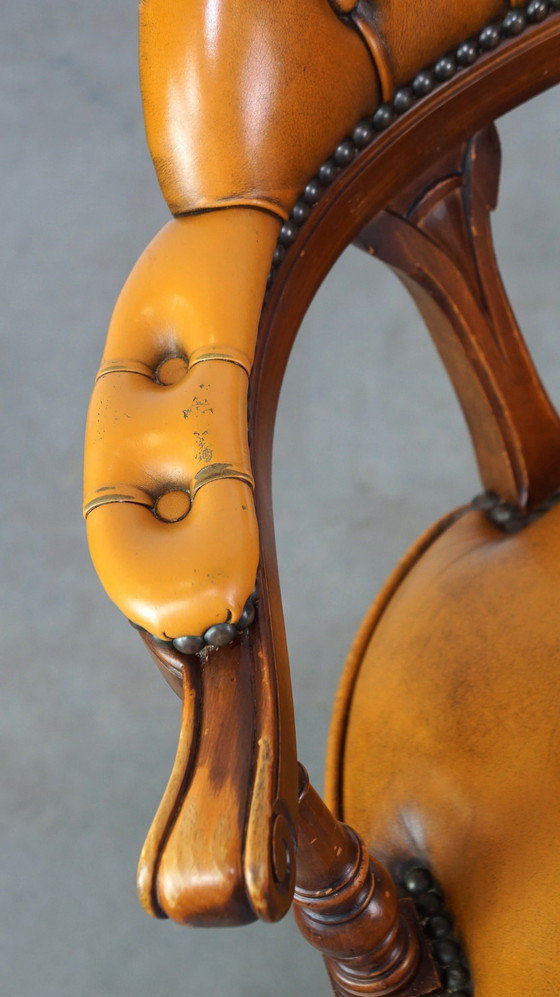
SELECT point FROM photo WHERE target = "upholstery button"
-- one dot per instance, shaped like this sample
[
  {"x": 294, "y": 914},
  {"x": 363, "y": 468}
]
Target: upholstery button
[
  {"x": 172, "y": 506},
  {"x": 171, "y": 369}
]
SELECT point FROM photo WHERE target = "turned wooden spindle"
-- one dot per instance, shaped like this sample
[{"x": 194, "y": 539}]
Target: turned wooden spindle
[{"x": 346, "y": 905}]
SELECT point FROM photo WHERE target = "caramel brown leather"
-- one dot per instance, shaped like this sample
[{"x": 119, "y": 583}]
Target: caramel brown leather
[
  {"x": 243, "y": 102},
  {"x": 167, "y": 427},
  {"x": 241, "y": 107},
  {"x": 447, "y": 741},
  {"x": 407, "y": 37}
]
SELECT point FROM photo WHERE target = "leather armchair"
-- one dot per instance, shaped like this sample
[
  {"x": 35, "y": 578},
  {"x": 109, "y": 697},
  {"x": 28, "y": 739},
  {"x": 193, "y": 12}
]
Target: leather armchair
[{"x": 273, "y": 153}]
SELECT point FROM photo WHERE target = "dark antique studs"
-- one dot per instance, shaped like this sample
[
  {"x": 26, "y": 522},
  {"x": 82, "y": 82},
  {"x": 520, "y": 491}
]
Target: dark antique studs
[
  {"x": 423, "y": 83},
  {"x": 537, "y": 10},
  {"x": 312, "y": 192},
  {"x": 429, "y": 905},
  {"x": 445, "y": 68},
  {"x": 419, "y": 884},
  {"x": 447, "y": 952},
  {"x": 344, "y": 153},
  {"x": 417, "y": 880},
  {"x": 489, "y": 37},
  {"x": 279, "y": 254},
  {"x": 467, "y": 53},
  {"x": 288, "y": 233},
  {"x": 300, "y": 212},
  {"x": 439, "y": 926},
  {"x": 514, "y": 22},
  {"x": 362, "y": 134},
  {"x": 403, "y": 99},
  {"x": 383, "y": 117},
  {"x": 502, "y": 514},
  {"x": 327, "y": 172},
  {"x": 509, "y": 517},
  {"x": 247, "y": 616},
  {"x": 485, "y": 501},
  {"x": 220, "y": 634},
  {"x": 188, "y": 645},
  {"x": 555, "y": 4},
  {"x": 455, "y": 978}
]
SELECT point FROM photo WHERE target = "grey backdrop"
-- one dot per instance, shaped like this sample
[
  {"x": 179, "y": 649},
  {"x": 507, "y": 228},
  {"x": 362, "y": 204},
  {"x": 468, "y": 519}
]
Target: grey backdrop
[{"x": 88, "y": 728}]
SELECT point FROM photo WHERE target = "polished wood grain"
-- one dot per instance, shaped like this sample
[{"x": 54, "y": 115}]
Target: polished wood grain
[
  {"x": 221, "y": 849},
  {"x": 346, "y": 906},
  {"x": 437, "y": 237}
]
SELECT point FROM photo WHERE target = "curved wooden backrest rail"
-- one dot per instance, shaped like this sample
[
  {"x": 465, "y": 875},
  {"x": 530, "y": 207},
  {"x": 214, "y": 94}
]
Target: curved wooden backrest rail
[{"x": 449, "y": 116}]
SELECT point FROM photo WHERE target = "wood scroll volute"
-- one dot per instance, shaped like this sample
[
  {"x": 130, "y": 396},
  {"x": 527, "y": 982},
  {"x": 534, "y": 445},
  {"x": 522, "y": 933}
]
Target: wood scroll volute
[
  {"x": 437, "y": 238},
  {"x": 221, "y": 849}
]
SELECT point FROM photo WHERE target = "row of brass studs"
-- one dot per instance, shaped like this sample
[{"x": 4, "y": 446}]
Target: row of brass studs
[
  {"x": 467, "y": 53},
  {"x": 437, "y": 924}
]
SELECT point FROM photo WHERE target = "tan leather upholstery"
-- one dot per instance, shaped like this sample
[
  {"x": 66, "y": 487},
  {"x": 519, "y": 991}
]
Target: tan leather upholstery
[
  {"x": 166, "y": 436},
  {"x": 409, "y": 36},
  {"x": 242, "y": 103},
  {"x": 449, "y": 739},
  {"x": 241, "y": 107}
]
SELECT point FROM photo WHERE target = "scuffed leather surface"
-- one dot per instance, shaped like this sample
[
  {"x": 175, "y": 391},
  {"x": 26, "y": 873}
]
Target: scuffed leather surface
[
  {"x": 243, "y": 102},
  {"x": 196, "y": 291},
  {"x": 452, "y": 750}
]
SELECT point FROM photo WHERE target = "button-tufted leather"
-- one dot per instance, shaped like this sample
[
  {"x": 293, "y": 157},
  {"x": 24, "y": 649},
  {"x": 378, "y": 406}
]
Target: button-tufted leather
[{"x": 168, "y": 482}]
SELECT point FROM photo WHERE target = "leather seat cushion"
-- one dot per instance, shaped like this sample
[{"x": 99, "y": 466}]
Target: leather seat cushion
[{"x": 452, "y": 743}]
